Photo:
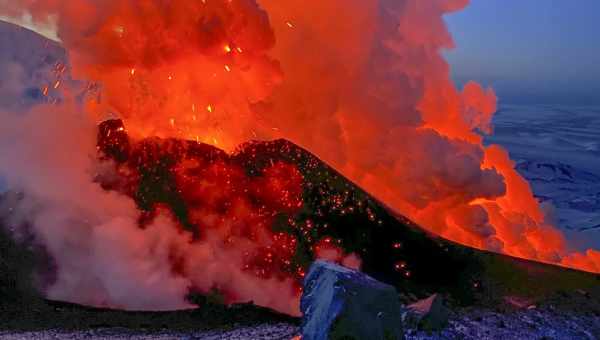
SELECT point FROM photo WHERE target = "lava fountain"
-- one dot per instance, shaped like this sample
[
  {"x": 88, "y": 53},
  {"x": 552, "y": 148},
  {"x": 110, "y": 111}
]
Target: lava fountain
[{"x": 361, "y": 84}]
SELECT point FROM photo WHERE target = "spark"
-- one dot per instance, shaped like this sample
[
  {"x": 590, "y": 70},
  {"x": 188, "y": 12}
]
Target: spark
[{"x": 119, "y": 30}]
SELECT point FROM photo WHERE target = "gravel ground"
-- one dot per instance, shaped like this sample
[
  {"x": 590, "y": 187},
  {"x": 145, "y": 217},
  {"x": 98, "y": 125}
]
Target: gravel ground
[
  {"x": 281, "y": 331},
  {"x": 530, "y": 324}
]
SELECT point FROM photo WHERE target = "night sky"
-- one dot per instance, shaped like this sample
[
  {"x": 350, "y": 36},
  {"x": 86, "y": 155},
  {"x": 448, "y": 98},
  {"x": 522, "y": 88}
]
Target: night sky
[{"x": 530, "y": 51}]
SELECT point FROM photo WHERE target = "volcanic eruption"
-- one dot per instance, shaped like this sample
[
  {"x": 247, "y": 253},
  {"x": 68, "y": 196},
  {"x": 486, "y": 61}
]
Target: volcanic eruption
[{"x": 164, "y": 174}]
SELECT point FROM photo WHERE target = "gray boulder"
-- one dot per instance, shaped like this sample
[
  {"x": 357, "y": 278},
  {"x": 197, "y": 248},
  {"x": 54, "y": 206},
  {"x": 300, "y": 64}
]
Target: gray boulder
[{"x": 341, "y": 303}]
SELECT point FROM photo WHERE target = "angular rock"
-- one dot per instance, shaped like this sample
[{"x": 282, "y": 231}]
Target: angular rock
[
  {"x": 341, "y": 303},
  {"x": 429, "y": 314}
]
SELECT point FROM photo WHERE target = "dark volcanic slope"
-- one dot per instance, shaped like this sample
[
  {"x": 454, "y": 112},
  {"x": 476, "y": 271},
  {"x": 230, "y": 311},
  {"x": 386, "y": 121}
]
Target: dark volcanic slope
[
  {"x": 397, "y": 251},
  {"x": 392, "y": 248}
]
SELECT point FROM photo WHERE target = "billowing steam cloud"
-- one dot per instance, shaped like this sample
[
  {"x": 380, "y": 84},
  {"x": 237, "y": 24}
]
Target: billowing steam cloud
[
  {"x": 102, "y": 256},
  {"x": 360, "y": 83}
]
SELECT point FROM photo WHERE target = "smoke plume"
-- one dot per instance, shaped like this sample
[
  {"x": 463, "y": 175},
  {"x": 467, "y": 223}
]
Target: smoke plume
[{"x": 362, "y": 84}]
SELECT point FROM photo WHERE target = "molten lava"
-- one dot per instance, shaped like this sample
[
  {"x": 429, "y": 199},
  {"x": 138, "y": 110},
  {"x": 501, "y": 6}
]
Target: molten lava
[{"x": 362, "y": 84}]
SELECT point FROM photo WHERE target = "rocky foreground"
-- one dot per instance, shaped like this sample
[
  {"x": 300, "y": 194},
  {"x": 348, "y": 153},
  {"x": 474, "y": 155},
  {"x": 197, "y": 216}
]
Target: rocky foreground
[
  {"x": 37, "y": 319},
  {"x": 535, "y": 324},
  {"x": 565, "y": 315},
  {"x": 264, "y": 331},
  {"x": 340, "y": 303}
]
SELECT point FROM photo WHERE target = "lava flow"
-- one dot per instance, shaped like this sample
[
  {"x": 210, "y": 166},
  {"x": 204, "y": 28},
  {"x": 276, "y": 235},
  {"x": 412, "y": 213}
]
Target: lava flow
[{"x": 361, "y": 84}]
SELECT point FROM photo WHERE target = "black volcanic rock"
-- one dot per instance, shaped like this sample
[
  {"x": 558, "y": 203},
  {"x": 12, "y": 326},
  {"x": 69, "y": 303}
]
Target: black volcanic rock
[
  {"x": 430, "y": 313},
  {"x": 340, "y": 303}
]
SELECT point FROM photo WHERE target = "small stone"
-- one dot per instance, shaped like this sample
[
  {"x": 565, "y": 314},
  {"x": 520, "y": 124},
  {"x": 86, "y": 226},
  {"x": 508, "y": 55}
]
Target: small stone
[{"x": 429, "y": 314}]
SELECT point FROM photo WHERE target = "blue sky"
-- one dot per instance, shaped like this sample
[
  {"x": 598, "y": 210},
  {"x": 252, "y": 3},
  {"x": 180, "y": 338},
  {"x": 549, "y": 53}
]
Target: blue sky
[{"x": 530, "y": 51}]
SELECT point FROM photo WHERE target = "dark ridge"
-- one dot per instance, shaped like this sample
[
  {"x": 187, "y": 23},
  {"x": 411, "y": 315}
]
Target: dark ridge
[{"x": 392, "y": 248}]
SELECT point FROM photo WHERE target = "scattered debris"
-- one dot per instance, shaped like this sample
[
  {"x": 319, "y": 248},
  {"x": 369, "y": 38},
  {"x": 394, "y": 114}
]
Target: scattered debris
[{"x": 427, "y": 314}]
